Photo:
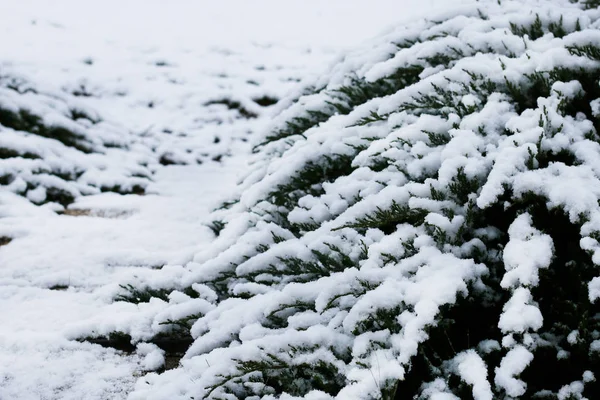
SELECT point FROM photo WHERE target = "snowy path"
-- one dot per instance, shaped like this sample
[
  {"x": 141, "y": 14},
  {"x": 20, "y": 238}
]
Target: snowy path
[
  {"x": 150, "y": 68},
  {"x": 113, "y": 231},
  {"x": 64, "y": 270}
]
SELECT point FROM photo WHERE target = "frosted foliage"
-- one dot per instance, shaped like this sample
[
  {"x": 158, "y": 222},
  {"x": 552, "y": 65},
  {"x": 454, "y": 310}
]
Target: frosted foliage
[
  {"x": 55, "y": 148},
  {"x": 420, "y": 221}
]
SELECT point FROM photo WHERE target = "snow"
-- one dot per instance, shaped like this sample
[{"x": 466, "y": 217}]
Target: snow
[
  {"x": 149, "y": 69},
  {"x": 91, "y": 255},
  {"x": 573, "y": 390},
  {"x": 519, "y": 315},
  {"x": 349, "y": 274},
  {"x": 153, "y": 356},
  {"x": 594, "y": 289},
  {"x": 513, "y": 363},
  {"x": 123, "y": 232},
  {"x": 473, "y": 371}
]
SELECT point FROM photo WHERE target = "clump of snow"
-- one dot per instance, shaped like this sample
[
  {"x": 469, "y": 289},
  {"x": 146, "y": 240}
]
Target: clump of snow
[
  {"x": 526, "y": 252},
  {"x": 515, "y": 362},
  {"x": 519, "y": 315},
  {"x": 153, "y": 356},
  {"x": 474, "y": 372}
]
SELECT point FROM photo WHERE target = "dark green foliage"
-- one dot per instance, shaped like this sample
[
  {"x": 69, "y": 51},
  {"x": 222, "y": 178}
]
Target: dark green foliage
[
  {"x": 301, "y": 228},
  {"x": 443, "y": 101},
  {"x": 17, "y": 84},
  {"x": 58, "y": 287},
  {"x": 565, "y": 307},
  {"x": 461, "y": 186},
  {"x": 228, "y": 204},
  {"x": 183, "y": 324},
  {"x": 588, "y": 3},
  {"x": 534, "y": 31},
  {"x": 216, "y": 227},
  {"x": 297, "y": 126},
  {"x": 116, "y": 340},
  {"x": 6, "y": 179},
  {"x": 445, "y": 58},
  {"x": 233, "y": 105},
  {"x": 539, "y": 84},
  {"x": 378, "y": 163},
  {"x": 359, "y": 91},
  {"x": 142, "y": 295},
  {"x": 11, "y": 153},
  {"x": 174, "y": 344},
  {"x": 388, "y": 219},
  {"x": 67, "y": 137},
  {"x": 587, "y": 50},
  {"x": 471, "y": 320},
  {"x": 308, "y": 181},
  {"x": 26, "y": 121},
  {"x": 345, "y": 98},
  {"x": 296, "y": 269},
  {"x": 135, "y": 189},
  {"x": 403, "y": 77},
  {"x": 59, "y": 196},
  {"x": 80, "y": 114},
  {"x": 265, "y": 101},
  {"x": 278, "y": 317},
  {"x": 557, "y": 28},
  {"x": 380, "y": 319},
  {"x": 463, "y": 327},
  {"x": 278, "y": 375},
  {"x": 168, "y": 159},
  {"x": 82, "y": 91},
  {"x": 437, "y": 139},
  {"x": 372, "y": 117}
]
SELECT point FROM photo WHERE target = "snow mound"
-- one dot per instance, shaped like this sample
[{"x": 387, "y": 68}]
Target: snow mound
[
  {"x": 54, "y": 148},
  {"x": 94, "y": 129},
  {"x": 420, "y": 221}
]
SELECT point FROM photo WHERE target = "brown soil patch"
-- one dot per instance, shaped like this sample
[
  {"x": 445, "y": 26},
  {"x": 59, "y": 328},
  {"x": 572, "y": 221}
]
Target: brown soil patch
[{"x": 77, "y": 212}]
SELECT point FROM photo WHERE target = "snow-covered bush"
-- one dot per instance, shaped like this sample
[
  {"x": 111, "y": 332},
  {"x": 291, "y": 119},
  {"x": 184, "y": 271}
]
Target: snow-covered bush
[
  {"x": 54, "y": 148},
  {"x": 422, "y": 221}
]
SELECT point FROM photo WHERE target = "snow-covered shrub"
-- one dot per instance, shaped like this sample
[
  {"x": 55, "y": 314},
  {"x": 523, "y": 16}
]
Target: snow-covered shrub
[
  {"x": 54, "y": 148},
  {"x": 423, "y": 221}
]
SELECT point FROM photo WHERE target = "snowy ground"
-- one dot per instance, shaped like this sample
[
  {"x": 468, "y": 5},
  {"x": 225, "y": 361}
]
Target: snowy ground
[
  {"x": 159, "y": 70},
  {"x": 64, "y": 269}
]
